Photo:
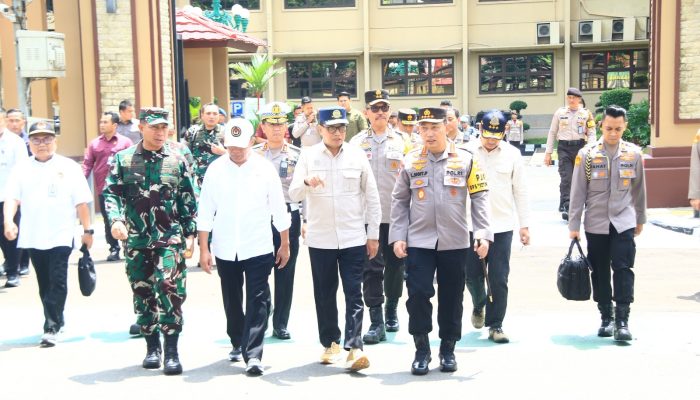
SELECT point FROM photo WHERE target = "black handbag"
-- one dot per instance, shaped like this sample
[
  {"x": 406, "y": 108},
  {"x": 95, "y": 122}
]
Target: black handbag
[
  {"x": 86, "y": 272},
  {"x": 574, "y": 275}
]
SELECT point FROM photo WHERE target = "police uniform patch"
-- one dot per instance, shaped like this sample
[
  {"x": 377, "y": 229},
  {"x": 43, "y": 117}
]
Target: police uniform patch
[
  {"x": 378, "y": 94},
  {"x": 236, "y": 131},
  {"x": 577, "y": 161},
  {"x": 454, "y": 192},
  {"x": 276, "y": 109},
  {"x": 421, "y": 194},
  {"x": 336, "y": 114}
]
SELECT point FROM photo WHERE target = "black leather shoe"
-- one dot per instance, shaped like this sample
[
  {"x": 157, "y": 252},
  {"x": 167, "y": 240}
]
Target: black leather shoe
[
  {"x": 236, "y": 354},
  {"x": 282, "y": 334},
  {"x": 421, "y": 364},
  {"x": 153, "y": 352},
  {"x": 2, "y": 269},
  {"x": 171, "y": 363},
  {"x": 12, "y": 281},
  {"x": 377, "y": 331},
  {"x": 254, "y": 367},
  {"x": 135, "y": 330},
  {"x": 448, "y": 362},
  {"x": 24, "y": 270},
  {"x": 113, "y": 255}
]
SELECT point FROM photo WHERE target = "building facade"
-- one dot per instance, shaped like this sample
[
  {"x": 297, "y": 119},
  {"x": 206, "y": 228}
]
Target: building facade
[{"x": 479, "y": 54}]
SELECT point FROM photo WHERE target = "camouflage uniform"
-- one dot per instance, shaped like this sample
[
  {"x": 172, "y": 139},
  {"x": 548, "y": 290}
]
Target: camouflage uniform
[
  {"x": 200, "y": 140},
  {"x": 153, "y": 194}
]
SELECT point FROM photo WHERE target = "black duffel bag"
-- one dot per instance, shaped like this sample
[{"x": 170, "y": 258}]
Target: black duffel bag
[
  {"x": 86, "y": 272},
  {"x": 574, "y": 275}
]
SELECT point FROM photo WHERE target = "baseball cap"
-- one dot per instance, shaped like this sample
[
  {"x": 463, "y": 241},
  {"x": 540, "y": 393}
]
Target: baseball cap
[
  {"x": 41, "y": 127},
  {"x": 153, "y": 115},
  {"x": 237, "y": 133}
]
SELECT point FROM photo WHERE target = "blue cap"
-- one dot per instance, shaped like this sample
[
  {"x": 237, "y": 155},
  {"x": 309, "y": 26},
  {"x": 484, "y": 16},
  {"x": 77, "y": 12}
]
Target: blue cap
[
  {"x": 493, "y": 124},
  {"x": 332, "y": 116}
]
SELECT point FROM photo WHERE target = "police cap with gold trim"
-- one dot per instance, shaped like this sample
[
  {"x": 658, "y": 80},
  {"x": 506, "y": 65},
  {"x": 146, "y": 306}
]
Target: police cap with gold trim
[
  {"x": 407, "y": 116},
  {"x": 274, "y": 113},
  {"x": 493, "y": 124},
  {"x": 431, "y": 114},
  {"x": 377, "y": 96}
]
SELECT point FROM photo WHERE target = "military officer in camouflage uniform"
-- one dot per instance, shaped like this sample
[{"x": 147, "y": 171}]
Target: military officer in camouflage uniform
[
  {"x": 284, "y": 157},
  {"x": 429, "y": 227},
  {"x": 608, "y": 183},
  {"x": 205, "y": 141},
  {"x": 383, "y": 274},
  {"x": 572, "y": 126},
  {"x": 694, "y": 182},
  {"x": 150, "y": 201}
]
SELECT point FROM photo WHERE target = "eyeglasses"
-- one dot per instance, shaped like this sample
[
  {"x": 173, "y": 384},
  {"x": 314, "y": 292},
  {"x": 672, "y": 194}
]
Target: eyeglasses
[
  {"x": 336, "y": 129},
  {"x": 46, "y": 140},
  {"x": 375, "y": 108}
]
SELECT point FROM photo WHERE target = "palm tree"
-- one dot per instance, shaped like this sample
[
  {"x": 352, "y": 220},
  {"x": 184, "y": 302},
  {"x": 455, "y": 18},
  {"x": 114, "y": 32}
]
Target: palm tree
[{"x": 257, "y": 74}]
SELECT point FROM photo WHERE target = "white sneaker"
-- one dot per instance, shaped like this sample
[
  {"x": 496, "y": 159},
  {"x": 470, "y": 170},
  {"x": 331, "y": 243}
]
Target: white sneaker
[
  {"x": 330, "y": 354},
  {"x": 356, "y": 360},
  {"x": 48, "y": 339}
]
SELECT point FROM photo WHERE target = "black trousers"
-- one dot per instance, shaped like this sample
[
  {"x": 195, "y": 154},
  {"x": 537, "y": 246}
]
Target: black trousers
[
  {"x": 10, "y": 252},
  {"x": 284, "y": 278},
  {"x": 325, "y": 266},
  {"x": 383, "y": 274},
  {"x": 113, "y": 243},
  {"x": 422, "y": 265},
  {"x": 567, "y": 151},
  {"x": 246, "y": 330},
  {"x": 498, "y": 261},
  {"x": 51, "y": 274},
  {"x": 616, "y": 249}
]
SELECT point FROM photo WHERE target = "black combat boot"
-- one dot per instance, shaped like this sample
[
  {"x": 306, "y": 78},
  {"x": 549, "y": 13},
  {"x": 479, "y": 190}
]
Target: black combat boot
[
  {"x": 622, "y": 331},
  {"x": 607, "y": 323},
  {"x": 376, "y": 332},
  {"x": 171, "y": 364},
  {"x": 448, "y": 362},
  {"x": 422, "y": 360},
  {"x": 392, "y": 318},
  {"x": 153, "y": 351}
]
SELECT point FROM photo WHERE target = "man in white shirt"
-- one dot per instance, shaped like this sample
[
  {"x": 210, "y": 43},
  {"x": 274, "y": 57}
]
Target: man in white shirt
[
  {"x": 341, "y": 194},
  {"x": 12, "y": 151},
  {"x": 51, "y": 188},
  {"x": 508, "y": 196},
  {"x": 240, "y": 192}
]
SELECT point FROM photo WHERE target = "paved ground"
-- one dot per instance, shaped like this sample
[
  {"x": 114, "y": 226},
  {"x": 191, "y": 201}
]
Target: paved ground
[{"x": 554, "y": 352}]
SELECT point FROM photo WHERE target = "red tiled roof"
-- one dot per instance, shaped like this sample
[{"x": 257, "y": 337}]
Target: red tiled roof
[{"x": 199, "y": 31}]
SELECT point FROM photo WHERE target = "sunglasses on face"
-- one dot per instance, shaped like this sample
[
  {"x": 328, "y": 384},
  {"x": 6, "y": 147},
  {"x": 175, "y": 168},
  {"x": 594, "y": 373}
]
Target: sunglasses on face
[
  {"x": 376, "y": 108},
  {"x": 45, "y": 140},
  {"x": 336, "y": 129}
]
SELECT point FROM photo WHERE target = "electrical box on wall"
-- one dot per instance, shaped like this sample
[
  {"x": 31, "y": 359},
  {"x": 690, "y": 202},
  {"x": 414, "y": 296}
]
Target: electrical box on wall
[{"x": 41, "y": 54}]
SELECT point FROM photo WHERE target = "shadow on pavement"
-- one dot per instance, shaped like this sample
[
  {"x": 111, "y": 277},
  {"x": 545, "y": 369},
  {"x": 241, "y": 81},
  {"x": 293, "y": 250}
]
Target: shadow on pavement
[
  {"x": 115, "y": 375},
  {"x": 304, "y": 373},
  {"x": 401, "y": 378},
  {"x": 695, "y": 297},
  {"x": 473, "y": 339},
  {"x": 589, "y": 342}
]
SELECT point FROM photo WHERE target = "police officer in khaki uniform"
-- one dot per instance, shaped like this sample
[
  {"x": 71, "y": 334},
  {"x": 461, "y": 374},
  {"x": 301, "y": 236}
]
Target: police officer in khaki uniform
[
  {"x": 284, "y": 157},
  {"x": 407, "y": 125},
  {"x": 608, "y": 183},
  {"x": 429, "y": 227},
  {"x": 384, "y": 148},
  {"x": 572, "y": 126},
  {"x": 694, "y": 183}
]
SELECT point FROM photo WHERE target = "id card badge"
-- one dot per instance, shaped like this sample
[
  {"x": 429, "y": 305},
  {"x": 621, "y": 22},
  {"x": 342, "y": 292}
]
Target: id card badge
[{"x": 283, "y": 169}]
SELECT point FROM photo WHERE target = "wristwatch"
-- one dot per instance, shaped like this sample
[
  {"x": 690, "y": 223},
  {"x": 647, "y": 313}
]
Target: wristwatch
[{"x": 89, "y": 231}]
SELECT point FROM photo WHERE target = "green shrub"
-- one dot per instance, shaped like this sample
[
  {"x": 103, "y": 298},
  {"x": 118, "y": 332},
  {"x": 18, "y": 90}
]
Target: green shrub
[
  {"x": 620, "y": 97},
  {"x": 526, "y": 126},
  {"x": 638, "y": 129},
  {"x": 518, "y": 105}
]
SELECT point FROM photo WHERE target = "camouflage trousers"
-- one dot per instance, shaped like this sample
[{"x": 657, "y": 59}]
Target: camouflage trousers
[{"x": 157, "y": 278}]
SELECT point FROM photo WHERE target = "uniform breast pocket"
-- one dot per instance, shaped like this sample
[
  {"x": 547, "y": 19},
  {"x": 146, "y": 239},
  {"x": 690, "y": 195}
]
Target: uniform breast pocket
[
  {"x": 419, "y": 187},
  {"x": 133, "y": 185},
  {"x": 168, "y": 187},
  {"x": 598, "y": 185},
  {"x": 393, "y": 161},
  {"x": 351, "y": 180},
  {"x": 324, "y": 176},
  {"x": 503, "y": 177}
]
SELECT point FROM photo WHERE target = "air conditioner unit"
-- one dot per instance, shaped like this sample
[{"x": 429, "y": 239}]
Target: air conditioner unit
[
  {"x": 589, "y": 31},
  {"x": 644, "y": 31},
  {"x": 618, "y": 29},
  {"x": 547, "y": 33},
  {"x": 41, "y": 54}
]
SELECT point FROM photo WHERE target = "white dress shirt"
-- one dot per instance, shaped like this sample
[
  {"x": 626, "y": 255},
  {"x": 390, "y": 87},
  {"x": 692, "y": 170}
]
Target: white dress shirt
[
  {"x": 336, "y": 211},
  {"x": 48, "y": 193},
  {"x": 508, "y": 192},
  {"x": 12, "y": 151},
  {"x": 236, "y": 203}
]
